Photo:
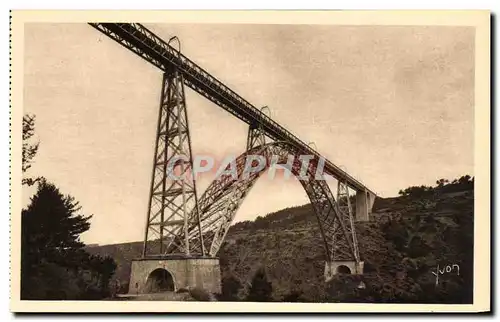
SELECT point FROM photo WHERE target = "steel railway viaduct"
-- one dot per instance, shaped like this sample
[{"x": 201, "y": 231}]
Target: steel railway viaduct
[{"x": 183, "y": 233}]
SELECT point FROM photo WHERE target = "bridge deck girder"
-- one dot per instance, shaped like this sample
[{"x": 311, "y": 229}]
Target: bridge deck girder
[{"x": 155, "y": 50}]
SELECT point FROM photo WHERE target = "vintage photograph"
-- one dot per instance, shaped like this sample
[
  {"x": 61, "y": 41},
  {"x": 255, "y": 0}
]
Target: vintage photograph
[{"x": 274, "y": 161}]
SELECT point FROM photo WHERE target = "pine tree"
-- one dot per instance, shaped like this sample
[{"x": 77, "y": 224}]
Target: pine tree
[
  {"x": 52, "y": 222},
  {"x": 261, "y": 289},
  {"x": 54, "y": 264},
  {"x": 51, "y": 228}
]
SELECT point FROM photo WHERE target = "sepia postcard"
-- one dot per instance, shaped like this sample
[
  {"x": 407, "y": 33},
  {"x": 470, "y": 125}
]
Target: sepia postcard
[{"x": 250, "y": 161}]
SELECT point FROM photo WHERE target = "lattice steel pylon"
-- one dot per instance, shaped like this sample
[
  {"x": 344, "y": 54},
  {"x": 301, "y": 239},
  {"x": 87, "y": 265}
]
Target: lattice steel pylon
[
  {"x": 173, "y": 188},
  {"x": 344, "y": 204}
]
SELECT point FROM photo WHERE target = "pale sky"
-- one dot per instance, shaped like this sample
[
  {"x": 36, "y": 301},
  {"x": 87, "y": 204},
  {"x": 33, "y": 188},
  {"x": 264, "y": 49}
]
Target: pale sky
[{"x": 392, "y": 105}]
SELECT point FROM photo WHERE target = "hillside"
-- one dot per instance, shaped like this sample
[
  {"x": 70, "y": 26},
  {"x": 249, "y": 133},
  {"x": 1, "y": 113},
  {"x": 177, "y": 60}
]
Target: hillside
[{"x": 402, "y": 244}]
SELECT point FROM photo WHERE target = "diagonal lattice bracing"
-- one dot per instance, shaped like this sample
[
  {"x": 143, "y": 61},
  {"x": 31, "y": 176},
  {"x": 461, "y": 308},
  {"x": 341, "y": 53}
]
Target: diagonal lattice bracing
[
  {"x": 345, "y": 207},
  {"x": 222, "y": 199},
  {"x": 173, "y": 192},
  {"x": 255, "y": 137},
  {"x": 176, "y": 222}
]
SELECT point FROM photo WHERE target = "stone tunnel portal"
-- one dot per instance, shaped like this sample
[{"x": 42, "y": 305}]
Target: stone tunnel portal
[{"x": 159, "y": 281}]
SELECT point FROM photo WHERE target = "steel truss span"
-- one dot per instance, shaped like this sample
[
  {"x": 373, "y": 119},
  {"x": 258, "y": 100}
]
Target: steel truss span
[
  {"x": 222, "y": 199},
  {"x": 179, "y": 223},
  {"x": 153, "y": 49}
]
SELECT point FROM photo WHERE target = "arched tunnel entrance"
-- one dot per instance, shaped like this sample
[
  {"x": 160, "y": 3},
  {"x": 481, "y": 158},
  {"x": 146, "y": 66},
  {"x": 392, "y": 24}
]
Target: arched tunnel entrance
[
  {"x": 343, "y": 269},
  {"x": 159, "y": 281}
]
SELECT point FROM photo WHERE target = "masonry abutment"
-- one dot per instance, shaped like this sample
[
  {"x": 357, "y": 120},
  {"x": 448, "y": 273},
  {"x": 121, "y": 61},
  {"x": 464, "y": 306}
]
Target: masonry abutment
[
  {"x": 146, "y": 275},
  {"x": 343, "y": 267},
  {"x": 364, "y": 205}
]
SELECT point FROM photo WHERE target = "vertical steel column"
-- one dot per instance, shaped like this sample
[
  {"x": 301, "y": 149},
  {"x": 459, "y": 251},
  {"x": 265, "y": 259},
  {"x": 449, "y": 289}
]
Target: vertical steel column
[
  {"x": 344, "y": 204},
  {"x": 173, "y": 191}
]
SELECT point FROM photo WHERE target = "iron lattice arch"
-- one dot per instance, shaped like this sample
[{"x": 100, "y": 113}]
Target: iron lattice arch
[{"x": 222, "y": 199}]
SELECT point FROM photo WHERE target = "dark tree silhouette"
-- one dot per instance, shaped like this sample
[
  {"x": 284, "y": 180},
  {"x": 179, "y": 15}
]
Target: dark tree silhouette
[
  {"x": 230, "y": 287},
  {"x": 54, "y": 264},
  {"x": 52, "y": 220},
  {"x": 261, "y": 289}
]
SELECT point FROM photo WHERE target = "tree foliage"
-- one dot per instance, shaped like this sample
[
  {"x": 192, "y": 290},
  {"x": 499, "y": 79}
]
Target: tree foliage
[
  {"x": 420, "y": 238},
  {"x": 261, "y": 289},
  {"x": 407, "y": 237},
  {"x": 29, "y": 148},
  {"x": 442, "y": 185},
  {"x": 230, "y": 288},
  {"x": 54, "y": 264},
  {"x": 401, "y": 246},
  {"x": 53, "y": 220}
]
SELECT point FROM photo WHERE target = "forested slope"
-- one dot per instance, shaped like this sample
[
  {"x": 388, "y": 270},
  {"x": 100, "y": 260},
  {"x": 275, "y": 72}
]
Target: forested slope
[{"x": 402, "y": 245}]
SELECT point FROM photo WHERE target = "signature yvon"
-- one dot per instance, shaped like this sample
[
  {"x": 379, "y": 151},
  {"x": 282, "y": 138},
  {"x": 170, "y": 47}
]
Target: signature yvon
[{"x": 448, "y": 269}]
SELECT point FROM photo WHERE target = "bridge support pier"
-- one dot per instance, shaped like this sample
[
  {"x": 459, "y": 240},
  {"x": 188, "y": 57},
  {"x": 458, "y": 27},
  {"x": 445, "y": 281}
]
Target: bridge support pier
[
  {"x": 339, "y": 267},
  {"x": 364, "y": 204},
  {"x": 150, "y": 275}
]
